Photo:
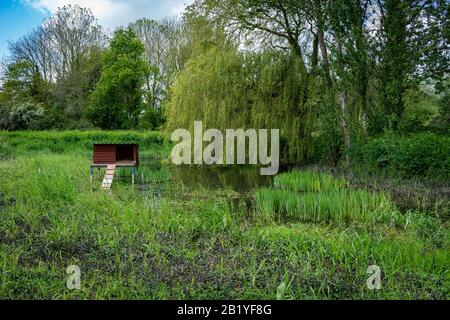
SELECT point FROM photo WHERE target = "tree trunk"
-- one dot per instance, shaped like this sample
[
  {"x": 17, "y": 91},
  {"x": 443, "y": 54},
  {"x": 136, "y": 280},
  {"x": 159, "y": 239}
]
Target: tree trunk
[
  {"x": 324, "y": 51},
  {"x": 364, "y": 122},
  {"x": 321, "y": 40},
  {"x": 315, "y": 55},
  {"x": 364, "y": 102},
  {"x": 343, "y": 99}
]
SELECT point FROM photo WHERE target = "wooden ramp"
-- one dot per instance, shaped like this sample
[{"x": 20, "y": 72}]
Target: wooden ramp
[{"x": 109, "y": 176}]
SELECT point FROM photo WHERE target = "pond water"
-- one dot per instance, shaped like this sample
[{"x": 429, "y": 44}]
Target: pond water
[
  {"x": 154, "y": 174},
  {"x": 156, "y": 180},
  {"x": 239, "y": 179}
]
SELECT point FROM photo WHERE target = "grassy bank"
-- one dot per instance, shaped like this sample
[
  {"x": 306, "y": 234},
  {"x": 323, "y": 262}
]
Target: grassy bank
[
  {"x": 13, "y": 144},
  {"x": 309, "y": 236}
]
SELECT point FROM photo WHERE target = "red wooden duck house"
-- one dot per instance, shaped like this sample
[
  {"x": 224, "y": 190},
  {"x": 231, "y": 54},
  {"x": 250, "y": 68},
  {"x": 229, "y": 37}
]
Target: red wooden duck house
[{"x": 112, "y": 156}]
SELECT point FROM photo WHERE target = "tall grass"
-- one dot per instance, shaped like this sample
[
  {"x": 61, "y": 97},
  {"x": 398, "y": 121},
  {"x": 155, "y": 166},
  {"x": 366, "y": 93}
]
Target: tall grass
[
  {"x": 309, "y": 196},
  {"x": 342, "y": 255},
  {"x": 308, "y": 181},
  {"x": 13, "y": 144},
  {"x": 48, "y": 179},
  {"x": 336, "y": 205},
  {"x": 193, "y": 245}
]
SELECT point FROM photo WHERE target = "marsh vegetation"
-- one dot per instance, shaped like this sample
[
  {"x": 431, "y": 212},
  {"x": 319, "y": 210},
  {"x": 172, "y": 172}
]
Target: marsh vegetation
[{"x": 306, "y": 234}]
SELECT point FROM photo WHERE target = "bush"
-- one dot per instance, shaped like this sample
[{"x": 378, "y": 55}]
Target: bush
[
  {"x": 24, "y": 115},
  {"x": 417, "y": 155}
]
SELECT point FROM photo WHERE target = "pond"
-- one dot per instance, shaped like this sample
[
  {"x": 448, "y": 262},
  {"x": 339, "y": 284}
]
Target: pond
[
  {"x": 153, "y": 173},
  {"x": 155, "y": 179}
]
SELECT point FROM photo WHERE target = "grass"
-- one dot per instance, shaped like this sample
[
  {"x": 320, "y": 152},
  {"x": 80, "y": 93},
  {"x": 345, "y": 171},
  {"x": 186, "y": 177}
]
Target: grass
[
  {"x": 339, "y": 205},
  {"x": 310, "y": 196},
  {"x": 332, "y": 263},
  {"x": 79, "y": 142},
  {"x": 308, "y": 181},
  {"x": 309, "y": 238}
]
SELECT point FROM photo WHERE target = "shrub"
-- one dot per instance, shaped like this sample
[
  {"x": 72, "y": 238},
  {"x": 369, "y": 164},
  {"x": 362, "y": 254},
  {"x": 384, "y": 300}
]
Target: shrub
[
  {"x": 23, "y": 115},
  {"x": 423, "y": 154}
]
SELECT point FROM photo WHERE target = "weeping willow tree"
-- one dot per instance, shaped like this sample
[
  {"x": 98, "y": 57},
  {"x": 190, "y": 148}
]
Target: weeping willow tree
[
  {"x": 228, "y": 89},
  {"x": 210, "y": 89},
  {"x": 283, "y": 100}
]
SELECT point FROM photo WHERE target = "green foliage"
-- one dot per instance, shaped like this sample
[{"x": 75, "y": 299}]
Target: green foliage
[
  {"x": 71, "y": 93},
  {"x": 25, "y": 115},
  {"x": 22, "y": 98},
  {"x": 21, "y": 82},
  {"x": 116, "y": 102},
  {"x": 396, "y": 62},
  {"x": 417, "y": 155},
  {"x": 308, "y": 181},
  {"x": 151, "y": 119},
  {"x": 226, "y": 89},
  {"x": 419, "y": 114},
  {"x": 441, "y": 123},
  {"x": 309, "y": 196},
  {"x": 167, "y": 47},
  {"x": 56, "y": 65}
]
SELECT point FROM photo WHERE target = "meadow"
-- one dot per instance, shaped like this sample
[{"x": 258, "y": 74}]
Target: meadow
[{"x": 306, "y": 235}]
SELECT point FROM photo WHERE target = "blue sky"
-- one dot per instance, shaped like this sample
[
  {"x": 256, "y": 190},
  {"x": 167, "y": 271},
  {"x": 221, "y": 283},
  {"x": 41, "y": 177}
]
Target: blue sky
[
  {"x": 19, "y": 16},
  {"x": 15, "y": 20}
]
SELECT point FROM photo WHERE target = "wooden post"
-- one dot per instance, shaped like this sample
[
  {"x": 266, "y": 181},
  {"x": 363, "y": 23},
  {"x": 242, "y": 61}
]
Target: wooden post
[
  {"x": 132, "y": 174},
  {"x": 91, "y": 175}
]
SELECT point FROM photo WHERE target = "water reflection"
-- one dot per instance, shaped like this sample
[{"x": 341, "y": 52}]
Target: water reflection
[
  {"x": 239, "y": 179},
  {"x": 153, "y": 174}
]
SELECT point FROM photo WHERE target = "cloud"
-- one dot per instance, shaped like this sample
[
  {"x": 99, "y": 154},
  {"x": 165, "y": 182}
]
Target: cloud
[{"x": 115, "y": 13}]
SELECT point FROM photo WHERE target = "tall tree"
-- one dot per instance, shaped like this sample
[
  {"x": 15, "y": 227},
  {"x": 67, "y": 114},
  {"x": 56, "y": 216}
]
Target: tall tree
[
  {"x": 413, "y": 47},
  {"x": 54, "y": 47},
  {"x": 395, "y": 60},
  {"x": 166, "y": 49},
  {"x": 62, "y": 52},
  {"x": 117, "y": 101}
]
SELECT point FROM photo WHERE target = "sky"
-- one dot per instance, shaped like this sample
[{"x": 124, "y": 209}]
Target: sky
[{"x": 19, "y": 16}]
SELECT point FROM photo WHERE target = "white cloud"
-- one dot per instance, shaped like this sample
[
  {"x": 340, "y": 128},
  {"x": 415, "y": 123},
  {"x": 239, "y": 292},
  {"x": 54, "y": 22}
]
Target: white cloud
[{"x": 115, "y": 13}]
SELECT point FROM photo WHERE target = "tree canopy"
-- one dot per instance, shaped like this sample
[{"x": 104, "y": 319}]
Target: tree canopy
[
  {"x": 327, "y": 73},
  {"x": 117, "y": 100}
]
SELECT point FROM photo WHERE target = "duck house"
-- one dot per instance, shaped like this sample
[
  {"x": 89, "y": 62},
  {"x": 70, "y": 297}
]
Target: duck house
[{"x": 112, "y": 156}]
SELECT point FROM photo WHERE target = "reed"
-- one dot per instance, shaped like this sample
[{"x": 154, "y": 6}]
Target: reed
[
  {"x": 310, "y": 196},
  {"x": 339, "y": 206},
  {"x": 308, "y": 181}
]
